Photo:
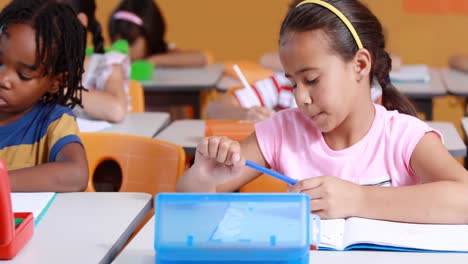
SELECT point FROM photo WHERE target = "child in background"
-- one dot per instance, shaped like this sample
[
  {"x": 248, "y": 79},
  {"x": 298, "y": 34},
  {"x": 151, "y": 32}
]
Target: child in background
[
  {"x": 459, "y": 62},
  {"x": 41, "y": 54},
  {"x": 106, "y": 75},
  {"x": 141, "y": 23},
  {"x": 352, "y": 157}
]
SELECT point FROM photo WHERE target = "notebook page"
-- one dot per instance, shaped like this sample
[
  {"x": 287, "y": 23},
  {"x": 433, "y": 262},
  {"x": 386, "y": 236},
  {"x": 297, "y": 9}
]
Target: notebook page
[
  {"x": 31, "y": 202},
  {"x": 418, "y": 236},
  {"x": 86, "y": 125},
  {"x": 332, "y": 233},
  {"x": 411, "y": 73}
]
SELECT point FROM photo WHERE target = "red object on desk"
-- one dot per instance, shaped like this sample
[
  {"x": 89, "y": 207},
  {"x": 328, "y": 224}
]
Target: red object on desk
[
  {"x": 12, "y": 239},
  {"x": 233, "y": 129}
]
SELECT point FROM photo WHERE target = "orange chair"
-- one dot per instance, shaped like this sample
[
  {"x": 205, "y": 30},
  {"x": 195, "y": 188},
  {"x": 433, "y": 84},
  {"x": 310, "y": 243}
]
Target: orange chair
[
  {"x": 137, "y": 97},
  {"x": 233, "y": 129},
  {"x": 264, "y": 183},
  {"x": 238, "y": 130},
  {"x": 209, "y": 56},
  {"x": 252, "y": 71},
  {"x": 146, "y": 165}
]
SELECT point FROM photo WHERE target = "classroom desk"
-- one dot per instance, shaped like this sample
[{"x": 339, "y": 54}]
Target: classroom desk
[
  {"x": 464, "y": 122},
  {"x": 452, "y": 139},
  {"x": 422, "y": 93},
  {"x": 456, "y": 82},
  {"x": 188, "y": 133},
  {"x": 180, "y": 85},
  {"x": 141, "y": 251},
  {"x": 185, "y": 133},
  {"x": 85, "y": 228},
  {"x": 226, "y": 83},
  {"x": 146, "y": 124}
]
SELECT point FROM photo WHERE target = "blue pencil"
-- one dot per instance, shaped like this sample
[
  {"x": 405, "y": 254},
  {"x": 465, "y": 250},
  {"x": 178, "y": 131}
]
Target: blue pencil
[{"x": 272, "y": 173}]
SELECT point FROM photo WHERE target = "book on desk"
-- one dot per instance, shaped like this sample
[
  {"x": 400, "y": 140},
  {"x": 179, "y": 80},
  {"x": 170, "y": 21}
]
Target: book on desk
[{"x": 360, "y": 233}]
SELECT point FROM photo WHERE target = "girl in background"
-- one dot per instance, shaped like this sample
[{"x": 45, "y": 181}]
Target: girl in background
[
  {"x": 106, "y": 75},
  {"x": 142, "y": 24}
]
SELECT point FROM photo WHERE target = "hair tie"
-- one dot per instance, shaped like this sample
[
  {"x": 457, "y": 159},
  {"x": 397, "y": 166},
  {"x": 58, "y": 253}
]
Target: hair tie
[
  {"x": 338, "y": 14},
  {"x": 128, "y": 16}
]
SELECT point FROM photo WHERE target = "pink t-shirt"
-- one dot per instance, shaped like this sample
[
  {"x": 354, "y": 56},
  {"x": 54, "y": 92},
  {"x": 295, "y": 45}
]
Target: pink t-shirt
[{"x": 292, "y": 145}]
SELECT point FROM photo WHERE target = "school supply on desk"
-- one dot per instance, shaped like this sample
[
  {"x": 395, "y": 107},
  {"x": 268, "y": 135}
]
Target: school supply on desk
[
  {"x": 88, "y": 125},
  {"x": 360, "y": 233},
  {"x": 271, "y": 173},
  {"x": 233, "y": 227},
  {"x": 16, "y": 229},
  {"x": 233, "y": 129},
  {"x": 411, "y": 74},
  {"x": 142, "y": 70},
  {"x": 36, "y": 203}
]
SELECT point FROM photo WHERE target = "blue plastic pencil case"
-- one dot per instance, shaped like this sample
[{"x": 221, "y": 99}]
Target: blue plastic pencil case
[{"x": 234, "y": 228}]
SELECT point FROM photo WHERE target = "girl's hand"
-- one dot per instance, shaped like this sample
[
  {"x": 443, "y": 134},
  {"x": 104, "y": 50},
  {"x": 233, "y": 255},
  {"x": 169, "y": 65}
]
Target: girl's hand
[
  {"x": 258, "y": 113},
  {"x": 217, "y": 160},
  {"x": 331, "y": 197}
]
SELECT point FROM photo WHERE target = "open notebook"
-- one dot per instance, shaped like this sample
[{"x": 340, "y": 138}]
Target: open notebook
[
  {"x": 360, "y": 233},
  {"x": 37, "y": 203}
]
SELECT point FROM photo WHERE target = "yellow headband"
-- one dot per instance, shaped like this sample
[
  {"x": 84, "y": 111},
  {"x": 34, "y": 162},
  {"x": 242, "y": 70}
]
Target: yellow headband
[{"x": 338, "y": 14}]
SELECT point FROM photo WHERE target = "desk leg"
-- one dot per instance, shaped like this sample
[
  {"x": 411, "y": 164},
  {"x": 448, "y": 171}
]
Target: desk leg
[{"x": 425, "y": 106}]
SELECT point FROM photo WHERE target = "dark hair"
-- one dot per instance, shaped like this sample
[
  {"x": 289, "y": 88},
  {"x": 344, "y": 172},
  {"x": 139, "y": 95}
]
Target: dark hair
[
  {"x": 313, "y": 17},
  {"x": 88, "y": 7},
  {"x": 152, "y": 30},
  {"x": 60, "y": 44}
]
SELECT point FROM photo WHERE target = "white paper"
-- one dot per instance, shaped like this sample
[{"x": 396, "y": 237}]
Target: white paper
[
  {"x": 87, "y": 125},
  {"x": 417, "y": 236},
  {"x": 31, "y": 202},
  {"x": 332, "y": 233}
]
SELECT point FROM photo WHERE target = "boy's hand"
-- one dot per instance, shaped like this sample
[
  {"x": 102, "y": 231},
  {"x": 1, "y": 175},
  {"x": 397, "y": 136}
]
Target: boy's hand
[{"x": 331, "y": 197}]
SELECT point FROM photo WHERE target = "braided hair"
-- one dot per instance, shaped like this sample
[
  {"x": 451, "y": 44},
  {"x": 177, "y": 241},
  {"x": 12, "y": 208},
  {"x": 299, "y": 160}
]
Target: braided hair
[
  {"x": 60, "y": 44},
  {"x": 342, "y": 43}
]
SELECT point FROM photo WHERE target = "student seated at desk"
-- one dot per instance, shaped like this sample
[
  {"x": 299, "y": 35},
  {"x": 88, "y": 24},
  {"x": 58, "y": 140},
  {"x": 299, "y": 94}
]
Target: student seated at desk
[
  {"x": 142, "y": 24},
  {"x": 459, "y": 62},
  {"x": 39, "y": 84},
  {"x": 107, "y": 74},
  {"x": 351, "y": 156}
]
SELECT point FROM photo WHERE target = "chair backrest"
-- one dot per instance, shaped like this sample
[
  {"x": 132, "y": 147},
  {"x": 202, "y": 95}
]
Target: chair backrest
[
  {"x": 147, "y": 165},
  {"x": 265, "y": 184},
  {"x": 252, "y": 71},
  {"x": 137, "y": 97}
]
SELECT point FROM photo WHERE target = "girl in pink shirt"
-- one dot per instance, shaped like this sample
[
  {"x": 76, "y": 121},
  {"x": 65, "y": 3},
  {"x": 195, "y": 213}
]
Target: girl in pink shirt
[{"x": 352, "y": 157}]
